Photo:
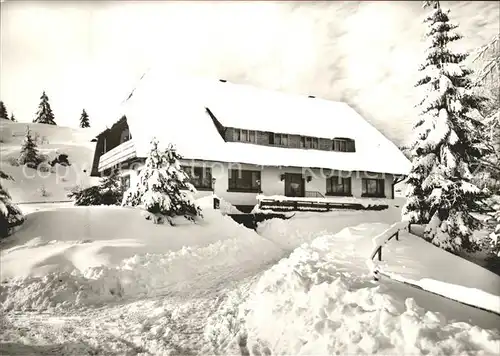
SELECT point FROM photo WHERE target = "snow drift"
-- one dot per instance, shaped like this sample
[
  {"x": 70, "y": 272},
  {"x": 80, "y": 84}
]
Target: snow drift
[
  {"x": 320, "y": 300},
  {"x": 81, "y": 255}
]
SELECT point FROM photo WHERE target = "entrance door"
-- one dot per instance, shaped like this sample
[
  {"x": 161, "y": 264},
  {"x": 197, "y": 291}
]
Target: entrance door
[{"x": 294, "y": 185}]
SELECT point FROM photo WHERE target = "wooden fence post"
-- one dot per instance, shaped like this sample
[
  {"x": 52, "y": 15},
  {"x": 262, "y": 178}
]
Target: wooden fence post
[
  {"x": 397, "y": 235},
  {"x": 379, "y": 252}
]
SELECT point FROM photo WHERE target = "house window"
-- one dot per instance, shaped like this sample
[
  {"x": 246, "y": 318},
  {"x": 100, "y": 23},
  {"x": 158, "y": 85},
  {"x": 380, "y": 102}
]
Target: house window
[
  {"x": 251, "y": 136},
  {"x": 199, "y": 177},
  {"x": 373, "y": 188},
  {"x": 125, "y": 136},
  {"x": 309, "y": 142},
  {"x": 343, "y": 145},
  {"x": 244, "y": 135},
  {"x": 281, "y": 139},
  {"x": 338, "y": 186},
  {"x": 125, "y": 182},
  {"x": 244, "y": 181}
]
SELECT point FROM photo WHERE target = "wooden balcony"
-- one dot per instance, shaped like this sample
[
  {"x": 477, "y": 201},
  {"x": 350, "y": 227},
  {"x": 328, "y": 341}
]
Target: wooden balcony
[{"x": 117, "y": 155}]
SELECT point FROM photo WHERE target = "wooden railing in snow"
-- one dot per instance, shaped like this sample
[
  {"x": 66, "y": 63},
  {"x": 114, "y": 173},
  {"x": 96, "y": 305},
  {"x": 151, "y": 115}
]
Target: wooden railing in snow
[{"x": 380, "y": 240}]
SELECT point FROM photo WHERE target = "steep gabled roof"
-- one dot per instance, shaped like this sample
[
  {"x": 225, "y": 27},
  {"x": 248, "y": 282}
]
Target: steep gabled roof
[{"x": 173, "y": 109}]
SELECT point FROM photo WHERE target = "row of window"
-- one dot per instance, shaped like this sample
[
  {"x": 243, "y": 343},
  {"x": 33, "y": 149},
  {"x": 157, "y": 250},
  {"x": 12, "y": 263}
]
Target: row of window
[
  {"x": 342, "y": 186},
  {"x": 249, "y": 181},
  {"x": 246, "y": 180},
  {"x": 277, "y": 139}
]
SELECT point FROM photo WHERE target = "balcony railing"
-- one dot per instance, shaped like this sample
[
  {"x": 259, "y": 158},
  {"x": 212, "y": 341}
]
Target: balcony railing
[
  {"x": 313, "y": 194},
  {"x": 117, "y": 155}
]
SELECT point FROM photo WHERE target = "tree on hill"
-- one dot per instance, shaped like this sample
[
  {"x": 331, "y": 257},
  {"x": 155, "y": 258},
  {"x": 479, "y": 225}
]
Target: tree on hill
[
  {"x": 108, "y": 192},
  {"x": 161, "y": 187},
  {"x": 84, "y": 120},
  {"x": 12, "y": 117},
  {"x": 3, "y": 111},
  {"x": 10, "y": 214},
  {"x": 29, "y": 152},
  {"x": 44, "y": 114},
  {"x": 447, "y": 144}
]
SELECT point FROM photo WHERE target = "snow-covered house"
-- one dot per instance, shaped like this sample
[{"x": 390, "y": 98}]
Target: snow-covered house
[{"x": 239, "y": 141}]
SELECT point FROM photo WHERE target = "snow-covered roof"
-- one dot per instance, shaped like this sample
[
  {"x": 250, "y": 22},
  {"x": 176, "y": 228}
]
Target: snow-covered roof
[{"x": 173, "y": 109}]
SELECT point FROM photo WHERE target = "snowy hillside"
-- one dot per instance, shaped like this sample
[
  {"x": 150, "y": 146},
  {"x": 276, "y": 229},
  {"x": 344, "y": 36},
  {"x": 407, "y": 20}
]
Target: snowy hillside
[{"x": 30, "y": 185}]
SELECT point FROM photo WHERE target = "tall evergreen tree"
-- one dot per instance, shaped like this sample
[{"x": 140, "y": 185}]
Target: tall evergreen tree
[
  {"x": 29, "y": 152},
  {"x": 84, "y": 120},
  {"x": 10, "y": 214},
  {"x": 12, "y": 117},
  {"x": 447, "y": 142},
  {"x": 3, "y": 111},
  {"x": 44, "y": 114},
  {"x": 161, "y": 187}
]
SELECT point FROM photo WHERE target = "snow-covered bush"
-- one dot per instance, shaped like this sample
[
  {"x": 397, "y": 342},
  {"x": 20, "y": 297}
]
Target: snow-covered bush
[
  {"x": 108, "y": 192},
  {"x": 61, "y": 159},
  {"x": 163, "y": 188},
  {"x": 10, "y": 215},
  {"x": 448, "y": 143}
]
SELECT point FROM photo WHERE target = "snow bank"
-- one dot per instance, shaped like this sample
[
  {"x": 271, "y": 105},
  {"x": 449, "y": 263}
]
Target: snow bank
[
  {"x": 85, "y": 255},
  {"x": 470, "y": 296},
  {"x": 319, "y": 301}
]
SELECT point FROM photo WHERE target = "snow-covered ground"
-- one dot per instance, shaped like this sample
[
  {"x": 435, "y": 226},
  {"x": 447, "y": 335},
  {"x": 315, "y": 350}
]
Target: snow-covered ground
[
  {"x": 103, "y": 280},
  {"x": 30, "y": 185}
]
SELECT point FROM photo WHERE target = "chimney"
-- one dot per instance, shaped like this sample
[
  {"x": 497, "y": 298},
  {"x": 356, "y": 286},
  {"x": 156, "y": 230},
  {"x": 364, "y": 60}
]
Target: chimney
[{"x": 222, "y": 80}]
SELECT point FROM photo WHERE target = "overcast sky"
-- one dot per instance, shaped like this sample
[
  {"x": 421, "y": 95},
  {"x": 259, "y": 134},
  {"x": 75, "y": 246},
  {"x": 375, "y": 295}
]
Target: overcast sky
[{"x": 90, "y": 54}]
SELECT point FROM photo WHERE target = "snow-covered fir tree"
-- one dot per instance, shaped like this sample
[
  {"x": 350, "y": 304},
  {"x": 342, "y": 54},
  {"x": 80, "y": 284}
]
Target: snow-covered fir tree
[
  {"x": 84, "y": 120},
  {"x": 163, "y": 188},
  {"x": 447, "y": 142},
  {"x": 12, "y": 117},
  {"x": 3, "y": 111},
  {"x": 44, "y": 114},
  {"x": 10, "y": 214},
  {"x": 29, "y": 152}
]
